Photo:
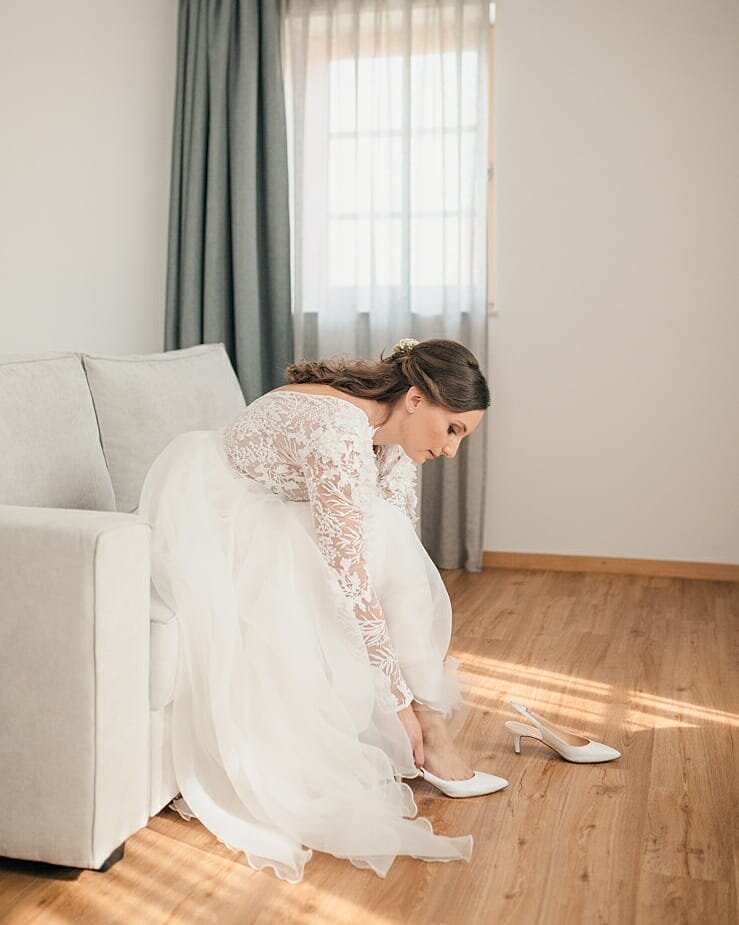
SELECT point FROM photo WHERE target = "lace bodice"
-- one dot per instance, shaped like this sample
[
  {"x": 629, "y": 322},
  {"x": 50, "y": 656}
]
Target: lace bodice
[{"x": 318, "y": 448}]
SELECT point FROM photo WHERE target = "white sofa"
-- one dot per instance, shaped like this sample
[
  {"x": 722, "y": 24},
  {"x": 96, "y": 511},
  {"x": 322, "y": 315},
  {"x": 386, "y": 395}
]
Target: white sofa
[{"x": 87, "y": 656}]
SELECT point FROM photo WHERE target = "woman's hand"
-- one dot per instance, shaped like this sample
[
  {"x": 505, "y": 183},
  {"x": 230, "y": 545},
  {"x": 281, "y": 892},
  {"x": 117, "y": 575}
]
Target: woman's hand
[{"x": 413, "y": 728}]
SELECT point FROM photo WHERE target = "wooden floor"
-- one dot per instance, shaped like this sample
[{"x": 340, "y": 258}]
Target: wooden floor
[{"x": 648, "y": 665}]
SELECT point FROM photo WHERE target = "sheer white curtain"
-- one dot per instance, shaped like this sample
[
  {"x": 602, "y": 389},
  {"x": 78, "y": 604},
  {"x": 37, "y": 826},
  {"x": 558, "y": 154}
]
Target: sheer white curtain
[{"x": 387, "y": 151}]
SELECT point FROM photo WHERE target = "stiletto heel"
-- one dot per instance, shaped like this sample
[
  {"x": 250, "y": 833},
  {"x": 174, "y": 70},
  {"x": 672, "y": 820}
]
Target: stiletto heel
[
  {"x": 520, "y": 731},
  {"x": 569, "y": 745}
]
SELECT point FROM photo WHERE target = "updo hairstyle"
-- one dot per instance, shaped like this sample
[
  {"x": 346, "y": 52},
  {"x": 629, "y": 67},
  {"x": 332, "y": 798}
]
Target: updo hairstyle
[{"x": 444, "y": 371}]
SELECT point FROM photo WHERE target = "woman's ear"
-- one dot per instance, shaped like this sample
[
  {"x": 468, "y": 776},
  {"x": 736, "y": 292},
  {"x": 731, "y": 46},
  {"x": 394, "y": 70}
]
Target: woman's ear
[{"x": 413, "y": 399}]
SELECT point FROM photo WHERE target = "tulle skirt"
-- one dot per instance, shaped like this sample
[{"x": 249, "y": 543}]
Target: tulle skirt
[{"x": 283, "y": 742}]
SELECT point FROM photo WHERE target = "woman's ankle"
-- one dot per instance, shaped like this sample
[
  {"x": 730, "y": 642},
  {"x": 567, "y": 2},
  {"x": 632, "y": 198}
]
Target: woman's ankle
[
  {"x": 433, "y": 725},
  {"x": 446, "y": 762}
]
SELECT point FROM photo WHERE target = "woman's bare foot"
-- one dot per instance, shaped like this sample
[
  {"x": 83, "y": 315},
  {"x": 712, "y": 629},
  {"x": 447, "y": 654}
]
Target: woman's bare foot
[{"x": 440, "y": 754}]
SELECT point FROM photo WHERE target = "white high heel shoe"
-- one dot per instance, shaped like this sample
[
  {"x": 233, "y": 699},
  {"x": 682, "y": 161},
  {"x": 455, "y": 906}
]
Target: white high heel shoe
[
  {"x": 570, "y": 746},
  {"x": 480, "y": 783}
]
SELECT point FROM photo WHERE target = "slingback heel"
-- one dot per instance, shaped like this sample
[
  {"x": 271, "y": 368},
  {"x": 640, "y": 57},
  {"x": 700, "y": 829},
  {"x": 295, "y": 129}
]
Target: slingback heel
[
  {"x": 569, "y": 745},
  {"x": 518, "y": 731}
]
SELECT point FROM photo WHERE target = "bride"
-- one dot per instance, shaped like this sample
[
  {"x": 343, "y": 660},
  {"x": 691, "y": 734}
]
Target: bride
[{"x": 312, "y": 673}]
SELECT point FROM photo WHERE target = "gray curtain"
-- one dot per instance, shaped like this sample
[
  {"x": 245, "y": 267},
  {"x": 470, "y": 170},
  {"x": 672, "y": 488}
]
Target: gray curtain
[
  {"x": 228, "y": 273},
  {"x": 453, "y": 491},
  {"x": 453, "y": 505}
]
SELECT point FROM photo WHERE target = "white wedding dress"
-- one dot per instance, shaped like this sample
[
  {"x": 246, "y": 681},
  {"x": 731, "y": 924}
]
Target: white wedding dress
[{"x": 309, "y": 613}]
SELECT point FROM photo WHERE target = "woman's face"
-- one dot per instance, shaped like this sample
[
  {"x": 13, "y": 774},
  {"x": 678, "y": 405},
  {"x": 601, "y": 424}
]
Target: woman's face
[{"x": 429, "y": 430}]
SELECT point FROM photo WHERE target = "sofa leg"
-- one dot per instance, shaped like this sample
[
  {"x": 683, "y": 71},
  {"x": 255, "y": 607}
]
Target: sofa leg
[{"x": 114, "y": 858}]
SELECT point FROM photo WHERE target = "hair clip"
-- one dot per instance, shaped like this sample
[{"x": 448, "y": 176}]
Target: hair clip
[{"x": 404, "y": 346}]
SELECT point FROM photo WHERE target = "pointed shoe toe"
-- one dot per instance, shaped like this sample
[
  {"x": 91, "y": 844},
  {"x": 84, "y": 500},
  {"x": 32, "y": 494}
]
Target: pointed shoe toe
[
  {"x": 479, "y": 784},
  {"x": 592, "y": 753}
]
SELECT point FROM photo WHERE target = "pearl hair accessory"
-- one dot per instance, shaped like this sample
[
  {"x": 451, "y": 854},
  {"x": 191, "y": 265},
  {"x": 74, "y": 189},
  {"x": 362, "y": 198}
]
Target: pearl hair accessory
[{"x": 404, "y": 346}]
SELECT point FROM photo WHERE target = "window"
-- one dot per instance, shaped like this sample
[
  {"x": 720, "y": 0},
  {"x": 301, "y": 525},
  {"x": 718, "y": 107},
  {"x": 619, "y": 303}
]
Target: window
[{"x": 394, "y": 158}]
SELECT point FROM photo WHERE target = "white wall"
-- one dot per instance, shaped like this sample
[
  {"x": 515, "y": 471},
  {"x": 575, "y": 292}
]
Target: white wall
[
  {"x": 86, "y": 103},
  {"x": 615, "y": 351}
]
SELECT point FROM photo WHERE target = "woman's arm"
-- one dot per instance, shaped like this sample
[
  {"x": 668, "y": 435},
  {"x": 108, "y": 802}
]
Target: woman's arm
[{"x": 339, "y": 478}]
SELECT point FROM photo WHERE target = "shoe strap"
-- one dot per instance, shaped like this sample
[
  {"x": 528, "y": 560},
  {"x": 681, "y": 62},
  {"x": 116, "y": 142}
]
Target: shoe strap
[
  {"x": 546, "y": 733},
  {"x": 522, "y": 710}
]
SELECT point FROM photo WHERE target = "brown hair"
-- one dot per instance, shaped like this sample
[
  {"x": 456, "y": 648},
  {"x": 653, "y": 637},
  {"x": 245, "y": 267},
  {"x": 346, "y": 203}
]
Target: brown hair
[{"x": 446, "y": 372}]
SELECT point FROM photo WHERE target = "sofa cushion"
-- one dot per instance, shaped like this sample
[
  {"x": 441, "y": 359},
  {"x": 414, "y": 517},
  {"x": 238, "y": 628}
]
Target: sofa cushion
[
  {"x": 144, "y": 401},
  {"x": 50, "y": 453}
]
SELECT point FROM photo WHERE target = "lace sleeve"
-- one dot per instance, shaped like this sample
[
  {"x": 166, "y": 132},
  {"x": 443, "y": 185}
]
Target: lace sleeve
[
  {"x": 338, "y": 482},
  {"x": 397, "y": 482}
]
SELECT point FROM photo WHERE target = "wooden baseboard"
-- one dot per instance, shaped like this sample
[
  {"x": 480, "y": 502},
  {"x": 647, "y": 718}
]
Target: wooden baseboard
[{"x": 665, "y": 568}]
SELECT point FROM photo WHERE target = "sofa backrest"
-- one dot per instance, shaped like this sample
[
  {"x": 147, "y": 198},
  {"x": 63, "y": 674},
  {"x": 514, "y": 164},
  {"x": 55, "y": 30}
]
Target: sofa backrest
[
  {"x": 143, "y": 401},
  {"x": 50, "y": 452}
]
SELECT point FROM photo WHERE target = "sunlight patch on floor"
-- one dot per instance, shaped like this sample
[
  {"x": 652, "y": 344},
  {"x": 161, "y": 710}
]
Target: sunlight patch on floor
[
  {"x": 492, "y": 683},
  {"x": 495, "y": 668},
  {"x": 679, "y": 708}
]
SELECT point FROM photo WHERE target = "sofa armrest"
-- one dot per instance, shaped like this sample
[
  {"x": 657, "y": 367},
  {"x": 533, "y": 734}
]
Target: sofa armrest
[{"x": 74, "y": 680}]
